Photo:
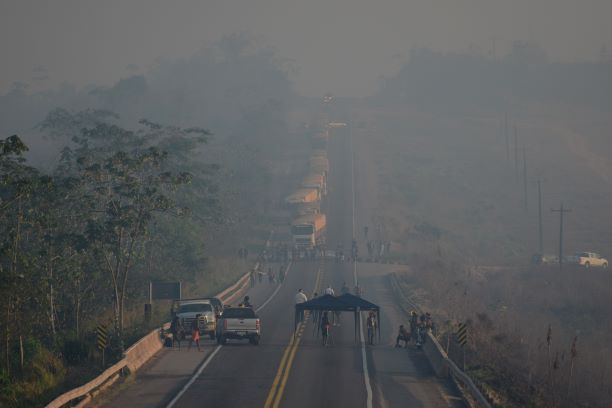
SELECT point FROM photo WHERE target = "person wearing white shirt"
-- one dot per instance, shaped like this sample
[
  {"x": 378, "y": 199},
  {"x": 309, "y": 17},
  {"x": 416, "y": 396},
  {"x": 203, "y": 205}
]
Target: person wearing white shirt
[
  {"x": 300, "y": 297},
  {"x": 329, "y": 291}
]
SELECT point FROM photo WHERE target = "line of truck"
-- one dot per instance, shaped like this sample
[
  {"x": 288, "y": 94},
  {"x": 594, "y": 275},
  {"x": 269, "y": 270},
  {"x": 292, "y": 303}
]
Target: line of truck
[{"x": 309, "y": 223}]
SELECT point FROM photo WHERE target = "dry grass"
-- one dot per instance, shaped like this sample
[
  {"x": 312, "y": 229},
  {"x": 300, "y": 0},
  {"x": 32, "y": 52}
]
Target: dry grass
[{"x": 453, "y": 205}]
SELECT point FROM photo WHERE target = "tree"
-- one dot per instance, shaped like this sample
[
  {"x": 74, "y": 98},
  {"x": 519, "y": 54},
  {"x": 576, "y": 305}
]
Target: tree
[{"x": 127, "y": 177}]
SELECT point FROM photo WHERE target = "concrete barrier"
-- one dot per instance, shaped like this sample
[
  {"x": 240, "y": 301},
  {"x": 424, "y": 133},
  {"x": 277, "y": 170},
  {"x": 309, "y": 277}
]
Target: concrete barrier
[
  {"x": 141, "y": 351},
  {"x": 437, "y": 356},
  {"x": 443, "y": 366},
  {"x": 84, "y": 389},
  {"x": 138, "y": 354}
]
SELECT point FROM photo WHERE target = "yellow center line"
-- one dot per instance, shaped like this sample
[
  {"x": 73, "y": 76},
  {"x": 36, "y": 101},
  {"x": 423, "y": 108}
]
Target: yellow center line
[
  {"x": 278, "y": 373},
  {"x": 282, "y": 374},
  {"x": 281, "y": 389}
]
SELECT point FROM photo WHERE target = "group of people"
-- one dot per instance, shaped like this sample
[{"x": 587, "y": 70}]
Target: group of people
[
  {"x": 178, "y": 332},
  {"x": 419, "y": 326},
  {"x": 257, "y": 275},
  {"x": 378, "y": 249},
  {"x": 332, "y": 318}
]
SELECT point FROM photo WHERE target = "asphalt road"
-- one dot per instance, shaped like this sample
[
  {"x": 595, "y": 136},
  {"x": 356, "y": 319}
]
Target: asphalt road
[{"x": 298, "y": 371}]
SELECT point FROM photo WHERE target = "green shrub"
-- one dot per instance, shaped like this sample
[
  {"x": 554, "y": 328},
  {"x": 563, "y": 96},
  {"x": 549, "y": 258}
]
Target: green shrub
[{"x": 42, "y": 372}]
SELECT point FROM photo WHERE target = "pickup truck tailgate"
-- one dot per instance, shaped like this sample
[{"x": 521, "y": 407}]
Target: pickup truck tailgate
[{"x": 240, "y": 324}]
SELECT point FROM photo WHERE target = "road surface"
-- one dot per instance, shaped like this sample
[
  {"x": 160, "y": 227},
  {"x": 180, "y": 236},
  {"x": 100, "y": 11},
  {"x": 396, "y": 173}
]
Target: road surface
[{"x": 298, "y": 371}]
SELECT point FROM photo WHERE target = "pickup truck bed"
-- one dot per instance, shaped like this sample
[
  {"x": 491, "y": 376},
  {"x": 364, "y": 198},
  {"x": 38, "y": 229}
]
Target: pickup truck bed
[{"x": 238, "y": 323}]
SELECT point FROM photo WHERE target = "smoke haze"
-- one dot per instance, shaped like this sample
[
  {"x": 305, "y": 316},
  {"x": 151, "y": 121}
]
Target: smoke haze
[{"x": 338, "y": 46}]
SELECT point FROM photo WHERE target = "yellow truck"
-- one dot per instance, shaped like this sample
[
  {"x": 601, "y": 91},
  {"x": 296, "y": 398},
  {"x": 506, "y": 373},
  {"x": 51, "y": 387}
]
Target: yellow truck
[
  {"x": 303, "y": 196},
  {"x": 304, "y": 201},
  {"x": 319, "y": 165},
  {"x": 318, "y": 140},
  {"x": 308, "y": 231},
  {"x": 316, "y": 180},
  {"x": 319, "y": 153}
]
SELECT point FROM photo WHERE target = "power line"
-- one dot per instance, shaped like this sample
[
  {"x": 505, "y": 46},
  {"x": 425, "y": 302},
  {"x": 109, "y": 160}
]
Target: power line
[
  {"x": 540, "y": 232},
  {"x": 525, "y": 178},
  {"x": 516, "y": 149}
]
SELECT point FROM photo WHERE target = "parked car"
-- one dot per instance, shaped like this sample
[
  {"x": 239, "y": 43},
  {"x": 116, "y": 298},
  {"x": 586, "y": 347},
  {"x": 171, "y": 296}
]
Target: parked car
[
  {"x": 588, "y": 259},
  {"x": 543, "y": 259},
  {"x": 202, "y": 309},
  {"x": 239, "y": 323},
  {"x": 217, "y": 305}
]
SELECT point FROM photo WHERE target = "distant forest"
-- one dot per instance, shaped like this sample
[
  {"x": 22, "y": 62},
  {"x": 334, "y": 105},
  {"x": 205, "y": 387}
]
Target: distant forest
[
  {"x": 105, "y": 188},
  {"x": 434, "y": 79}
]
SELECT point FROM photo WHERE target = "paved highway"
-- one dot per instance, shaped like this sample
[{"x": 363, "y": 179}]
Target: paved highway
[{"x": 298, "y": 371}]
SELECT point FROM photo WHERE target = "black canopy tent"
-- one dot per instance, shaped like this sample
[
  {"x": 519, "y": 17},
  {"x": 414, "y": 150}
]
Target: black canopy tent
[{"x": 343, "y": 303}]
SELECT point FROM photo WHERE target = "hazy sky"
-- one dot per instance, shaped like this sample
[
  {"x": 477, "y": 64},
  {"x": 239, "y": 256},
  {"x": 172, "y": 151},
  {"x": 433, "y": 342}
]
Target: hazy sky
[{"x": 342, "y": 46}]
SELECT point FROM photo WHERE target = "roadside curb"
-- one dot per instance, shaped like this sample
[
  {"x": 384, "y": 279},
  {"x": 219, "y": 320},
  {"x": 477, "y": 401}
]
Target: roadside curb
[
  {"x": 443, "y": 366},
  {"x": 139, "y": 353}
]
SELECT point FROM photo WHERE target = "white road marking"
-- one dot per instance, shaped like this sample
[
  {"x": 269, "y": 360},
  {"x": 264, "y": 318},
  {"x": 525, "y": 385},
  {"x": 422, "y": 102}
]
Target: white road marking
[
  {"x": 214, "y": 353},
  {"x": 194, "y": 377},
  {"x": 364, "y": 359},
  {"x": 276, "y": 290}
]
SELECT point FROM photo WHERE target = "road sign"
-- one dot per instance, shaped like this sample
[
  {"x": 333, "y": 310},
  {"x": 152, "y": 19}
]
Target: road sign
[
  {"x": 164, "y": 290},
  {"x": 102, "y": 336},
  {"x": 461, "y": 334}
]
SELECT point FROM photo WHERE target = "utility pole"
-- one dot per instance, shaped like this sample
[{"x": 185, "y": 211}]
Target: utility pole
[
  {"x": 506, "y": 135},
  {"x": 525, "y": 177},
  {"x": 516, "y": 169},
  {"x": 540, "y": 232},
  {"x": 561, "y": 212}
]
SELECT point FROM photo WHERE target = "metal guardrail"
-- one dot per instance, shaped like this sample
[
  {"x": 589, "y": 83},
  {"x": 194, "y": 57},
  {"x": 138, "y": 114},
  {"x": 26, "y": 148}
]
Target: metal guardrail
[
  {"x": 457, "y": 374},
  {"x": 85, "y": 389},
  {"x": 138, "y": 354}
]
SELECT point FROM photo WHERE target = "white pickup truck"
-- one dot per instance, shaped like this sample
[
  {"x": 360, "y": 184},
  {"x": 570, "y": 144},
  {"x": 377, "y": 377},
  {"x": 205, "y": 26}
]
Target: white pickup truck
[
  {"x": 587, "y": 259},
  {"x": 238, "y": 323},
  {"x": 202, "y": 309}
]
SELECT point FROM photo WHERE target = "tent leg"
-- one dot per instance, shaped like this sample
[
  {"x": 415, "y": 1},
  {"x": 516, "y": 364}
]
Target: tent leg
[{"x": 358, "y": 325}]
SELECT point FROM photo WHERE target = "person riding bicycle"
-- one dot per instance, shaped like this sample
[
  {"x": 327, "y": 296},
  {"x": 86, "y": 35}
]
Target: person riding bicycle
[{"x": 325, "y": 327}]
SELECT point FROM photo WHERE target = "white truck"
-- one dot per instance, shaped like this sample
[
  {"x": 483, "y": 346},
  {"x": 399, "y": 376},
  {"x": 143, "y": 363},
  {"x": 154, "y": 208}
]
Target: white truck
[
  {"x": 308, "y": 231},
  {"x": 239, "y": 323},
  {"x": 587, "y": 259},
  {"x": 202, "y": 309}
]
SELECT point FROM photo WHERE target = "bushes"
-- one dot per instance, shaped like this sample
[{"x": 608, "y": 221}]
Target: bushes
[{"x": 42, "y": 372}]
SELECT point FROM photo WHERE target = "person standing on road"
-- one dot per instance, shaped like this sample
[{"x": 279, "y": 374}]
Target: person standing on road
[
  {"x": 281, "y": 273},
  {"x": 336, "y": 315},
  {"x": 413, "y": 322},
  {"x": 300, "y": 297},
  {"x": 195, "y": 333},
  {"x": 402, "y": 335},
  {"x": 325, "y": 328},
  {"x": 371, "y": 324},
  {"x": 252, "y": 278},
  {"x": 176, "y": 328},
  {"x": 270, "y": 276}
]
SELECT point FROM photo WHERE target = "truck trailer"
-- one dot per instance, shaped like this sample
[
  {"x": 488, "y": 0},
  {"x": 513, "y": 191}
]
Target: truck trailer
[
  {"x": 319, "y": 164},
  {"x": 317, "y": 181}
]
